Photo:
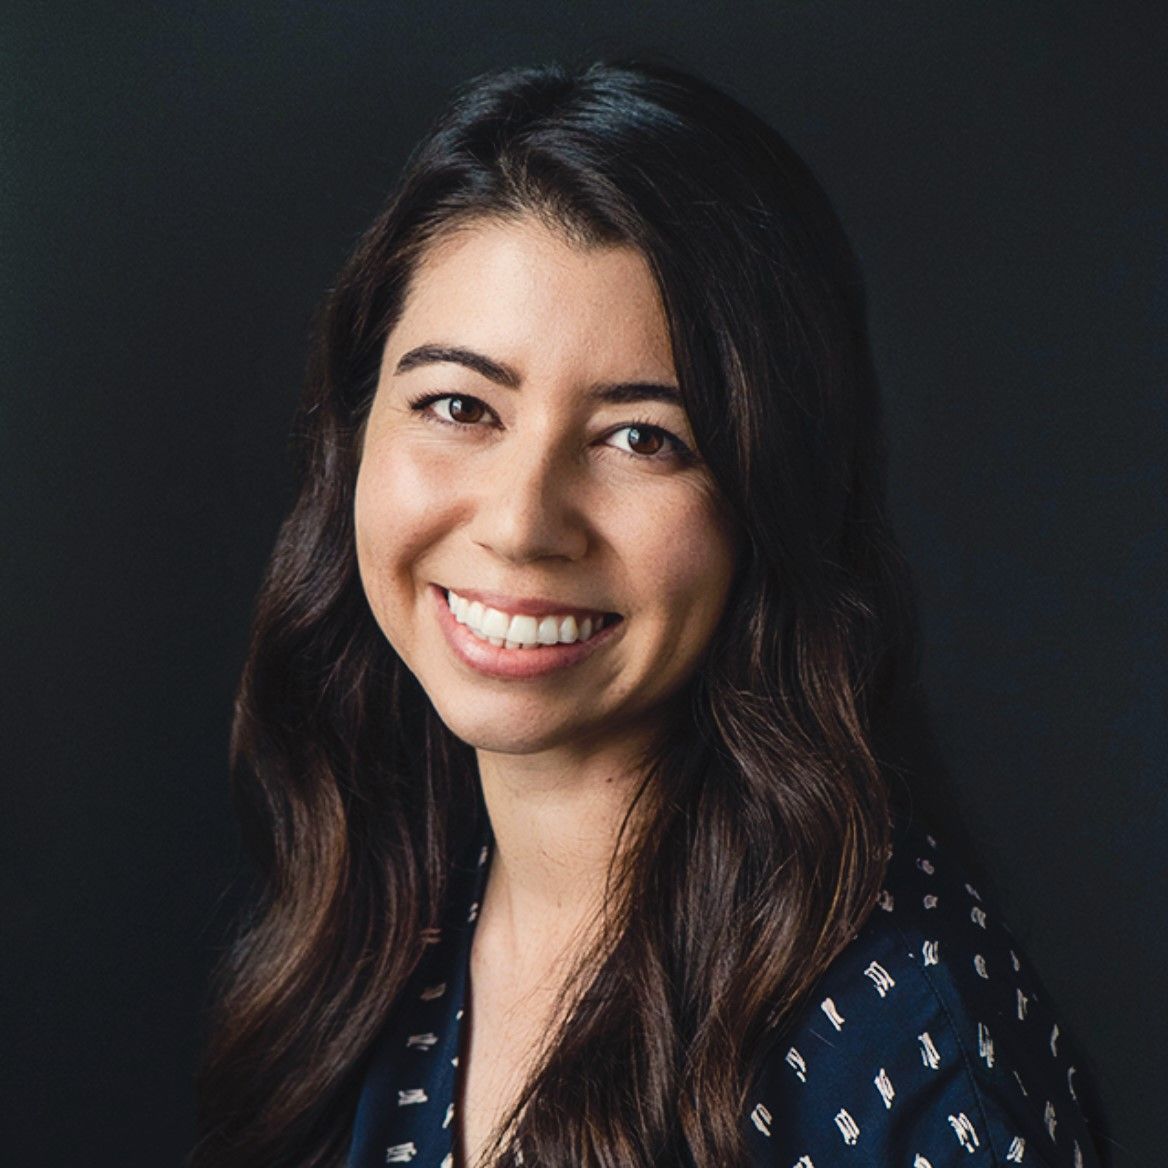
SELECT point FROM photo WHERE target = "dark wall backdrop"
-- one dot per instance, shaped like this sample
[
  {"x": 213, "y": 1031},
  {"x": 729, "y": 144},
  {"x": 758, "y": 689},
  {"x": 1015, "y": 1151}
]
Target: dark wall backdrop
[{"x": 178, "y": 184}]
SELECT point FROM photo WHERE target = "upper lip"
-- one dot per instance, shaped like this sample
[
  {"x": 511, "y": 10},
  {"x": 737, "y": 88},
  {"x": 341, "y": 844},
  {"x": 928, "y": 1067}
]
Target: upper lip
[{"x": 525, "y": 605}]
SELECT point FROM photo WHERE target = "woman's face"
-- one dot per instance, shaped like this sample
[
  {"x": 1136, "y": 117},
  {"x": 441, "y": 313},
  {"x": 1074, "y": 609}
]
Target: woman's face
[{"x": 526, "y": 454}]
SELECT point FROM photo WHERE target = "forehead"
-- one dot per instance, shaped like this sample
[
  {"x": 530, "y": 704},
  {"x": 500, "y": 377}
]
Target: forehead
[{"x": 518, "y": 290}]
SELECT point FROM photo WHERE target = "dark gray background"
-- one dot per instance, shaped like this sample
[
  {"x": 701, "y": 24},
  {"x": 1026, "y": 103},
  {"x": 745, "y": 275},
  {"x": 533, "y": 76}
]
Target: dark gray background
[{"x": 178, "y": 184}]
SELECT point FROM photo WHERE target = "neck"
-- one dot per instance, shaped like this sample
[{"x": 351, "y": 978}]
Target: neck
[{"x": 556, "y": 823}]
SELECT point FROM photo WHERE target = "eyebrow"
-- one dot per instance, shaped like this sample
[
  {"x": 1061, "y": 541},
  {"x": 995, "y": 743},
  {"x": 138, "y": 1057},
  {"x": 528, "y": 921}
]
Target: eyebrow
[{"x": 617, "y": 393}]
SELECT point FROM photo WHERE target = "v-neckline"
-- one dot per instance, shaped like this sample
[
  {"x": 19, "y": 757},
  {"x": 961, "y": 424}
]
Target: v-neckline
[
  {"x": 462, "y": 1021},
  {"x": 406, "y": 1110}
]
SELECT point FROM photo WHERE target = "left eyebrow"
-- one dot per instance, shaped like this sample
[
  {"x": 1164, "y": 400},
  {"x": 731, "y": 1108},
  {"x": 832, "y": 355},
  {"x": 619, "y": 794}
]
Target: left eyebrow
[
  {"x": 623, "y": 393},
  {"x": 614, "y": 393}
]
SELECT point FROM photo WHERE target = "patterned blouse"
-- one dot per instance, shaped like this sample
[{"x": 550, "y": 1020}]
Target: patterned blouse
[{"x": 927, "y": 1043}]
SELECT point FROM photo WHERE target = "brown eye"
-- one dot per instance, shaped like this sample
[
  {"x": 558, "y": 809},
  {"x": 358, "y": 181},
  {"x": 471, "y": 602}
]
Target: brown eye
[
  {"x": 644, "y": 441},
  {"x": 465, "y": 409}
]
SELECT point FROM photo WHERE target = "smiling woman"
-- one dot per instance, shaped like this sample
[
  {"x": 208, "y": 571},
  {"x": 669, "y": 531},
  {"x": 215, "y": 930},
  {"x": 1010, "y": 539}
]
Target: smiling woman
[
  {"x": 541, "y": 498},
  {"x": 560, "y": 740}
]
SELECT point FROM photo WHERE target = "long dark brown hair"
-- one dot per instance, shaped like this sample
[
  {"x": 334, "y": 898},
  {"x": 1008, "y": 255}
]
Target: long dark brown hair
[{"x": 764, "y": 826}]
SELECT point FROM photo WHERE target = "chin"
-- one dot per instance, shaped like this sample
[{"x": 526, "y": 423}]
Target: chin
[{"x": 496, "y": 739}]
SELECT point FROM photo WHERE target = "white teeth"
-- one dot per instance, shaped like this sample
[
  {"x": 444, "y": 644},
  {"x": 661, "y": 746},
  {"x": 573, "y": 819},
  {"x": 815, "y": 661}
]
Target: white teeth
[
  {"x": 521, "y": 631},
  {"x": 495, "y": 623}
]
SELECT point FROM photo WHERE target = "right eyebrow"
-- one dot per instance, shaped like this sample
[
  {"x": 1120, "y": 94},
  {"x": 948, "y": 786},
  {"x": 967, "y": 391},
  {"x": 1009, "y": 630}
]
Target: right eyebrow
[{"x": 456, "y": 355}]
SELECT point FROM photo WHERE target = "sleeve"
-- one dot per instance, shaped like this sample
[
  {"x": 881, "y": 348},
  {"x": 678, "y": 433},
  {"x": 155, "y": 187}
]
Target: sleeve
[{"x": 927, "y": 1044}]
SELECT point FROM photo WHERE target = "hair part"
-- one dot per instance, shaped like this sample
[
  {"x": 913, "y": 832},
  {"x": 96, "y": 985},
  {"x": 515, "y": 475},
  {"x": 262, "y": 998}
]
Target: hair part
[{"x": 765, "y": 813}]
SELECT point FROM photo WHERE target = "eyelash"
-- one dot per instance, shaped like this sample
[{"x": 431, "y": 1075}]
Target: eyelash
[{"x": 680, "y": 451}]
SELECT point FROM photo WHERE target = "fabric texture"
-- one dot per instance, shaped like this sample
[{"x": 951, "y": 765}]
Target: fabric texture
[{"x": 927, "y": 1043}]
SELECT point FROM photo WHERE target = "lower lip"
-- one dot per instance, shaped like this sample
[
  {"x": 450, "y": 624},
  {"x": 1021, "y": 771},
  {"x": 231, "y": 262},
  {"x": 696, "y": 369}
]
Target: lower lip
[{"x": 516, "y": 664}]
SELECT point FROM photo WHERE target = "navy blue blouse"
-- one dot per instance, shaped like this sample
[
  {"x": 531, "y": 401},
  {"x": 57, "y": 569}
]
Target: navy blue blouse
[{"x": 926, "y": 1043}]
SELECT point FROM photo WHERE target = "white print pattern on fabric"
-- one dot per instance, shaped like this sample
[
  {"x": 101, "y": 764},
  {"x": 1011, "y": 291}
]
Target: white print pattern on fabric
[
  {"x": 849, "y": 1129},
  {"x": 927, "y": 1038},
  {"x": 985, "y": 1045},
  {"x": 761, "y": 1118},
  {"x": 833, "y": 1015},
  {"x": 964, "y": 1130},
  {"x": 929, "y": 1055},
  {"x": 880, "y": 977},
  {"x": 953, "y": 981}
]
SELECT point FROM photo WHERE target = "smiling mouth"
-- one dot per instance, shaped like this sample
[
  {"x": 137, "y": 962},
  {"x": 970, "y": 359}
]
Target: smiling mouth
[{"x": 523, "y": 631}]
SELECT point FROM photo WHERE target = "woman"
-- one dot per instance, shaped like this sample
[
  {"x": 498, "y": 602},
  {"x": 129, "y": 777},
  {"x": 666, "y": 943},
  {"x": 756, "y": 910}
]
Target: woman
[{"x": 560, "y": 738}]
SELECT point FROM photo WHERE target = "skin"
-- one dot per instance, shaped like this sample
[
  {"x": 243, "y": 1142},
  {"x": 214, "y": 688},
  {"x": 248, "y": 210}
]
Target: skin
[{"x": 545, "y": 492}]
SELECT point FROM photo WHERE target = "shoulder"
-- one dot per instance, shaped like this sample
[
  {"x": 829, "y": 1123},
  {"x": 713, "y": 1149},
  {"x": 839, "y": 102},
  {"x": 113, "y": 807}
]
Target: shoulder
[{"x": 927, "y": 1042}]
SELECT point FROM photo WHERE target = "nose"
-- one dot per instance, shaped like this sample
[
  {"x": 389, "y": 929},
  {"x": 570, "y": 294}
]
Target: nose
[{"x": 530, "y": 505}]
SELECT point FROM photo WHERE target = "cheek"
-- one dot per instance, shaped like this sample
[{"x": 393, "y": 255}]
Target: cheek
[
  {"x": 682, "y": 554},
  {"x": 701, "y": 568},
  {"x": 403, "y": 504}
]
